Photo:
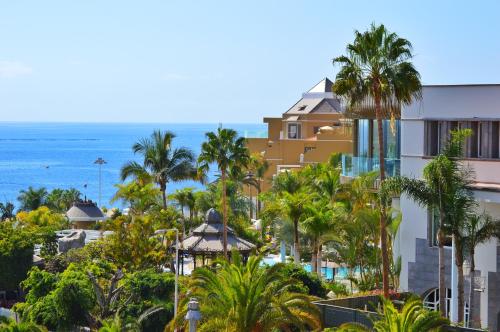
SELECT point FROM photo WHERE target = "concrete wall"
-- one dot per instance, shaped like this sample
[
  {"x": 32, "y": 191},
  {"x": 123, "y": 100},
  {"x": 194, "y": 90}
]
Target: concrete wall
[{"x": 419, "y": 261}]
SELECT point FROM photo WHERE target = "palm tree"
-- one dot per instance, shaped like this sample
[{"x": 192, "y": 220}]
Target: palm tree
[
  {"x": 140, "y": 198},
  {"x": 32, "y": 198},
  {"x": 413, "y": 317},
  {"x": 258, "y": 167},
  {"x": 477, "y": 229},
  {"x": 250, "y": 298},
  {"x": 161, "y": 163},
  {"x": 377, "y": 75},
  {"x": 293, "y": 206},
  {"x": 444, "y": 189},
  {"x": 432, "y": 192},
  {"x": 319, "y": 224},
  {"x": 184, "y": 198},
  {"x": 229, "y": 152},
  {"x": 6, "y": 211},
  {"x": 287, "y": 181}
]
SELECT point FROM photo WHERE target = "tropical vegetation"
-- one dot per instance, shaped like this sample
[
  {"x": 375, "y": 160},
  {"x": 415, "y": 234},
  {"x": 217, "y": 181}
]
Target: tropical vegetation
[{"x": 377, "y": 77}]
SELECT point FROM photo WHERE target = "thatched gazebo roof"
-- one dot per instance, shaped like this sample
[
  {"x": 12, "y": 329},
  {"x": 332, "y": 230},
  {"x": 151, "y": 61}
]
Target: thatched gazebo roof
[{"x": 207, "y": 238}]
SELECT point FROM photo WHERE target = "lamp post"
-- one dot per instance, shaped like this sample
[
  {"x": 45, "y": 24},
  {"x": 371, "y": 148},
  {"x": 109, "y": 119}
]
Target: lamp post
[
  {"x": 176, "y": 290},
  {"x": 100, "y": 162},
  {"x": 193, "y": 314}
]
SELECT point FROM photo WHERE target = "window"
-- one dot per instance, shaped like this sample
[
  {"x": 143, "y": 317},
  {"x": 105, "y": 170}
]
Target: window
[
  {"x": 431, "y": 302},
  {"x": 302, "y": 108},
  {"x": 432, "y": 136},
  {"x": 294, "y": 131},
  {"x": 483, "y": 143},
  {"x": 433, "y": 227},
  {"x": 480, "y": 139}
]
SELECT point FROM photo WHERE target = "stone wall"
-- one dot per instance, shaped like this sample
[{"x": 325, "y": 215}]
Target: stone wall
[{"x": 423, "y": 274}]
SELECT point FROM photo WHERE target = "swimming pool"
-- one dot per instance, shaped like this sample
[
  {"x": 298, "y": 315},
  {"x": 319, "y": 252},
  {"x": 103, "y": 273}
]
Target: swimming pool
[{"x": 328, "y": 273}]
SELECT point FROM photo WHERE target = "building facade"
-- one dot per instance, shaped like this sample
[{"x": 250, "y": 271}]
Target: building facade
[
  {"x": 425, "y": 127},
  {"x": 309, "y": 132}
]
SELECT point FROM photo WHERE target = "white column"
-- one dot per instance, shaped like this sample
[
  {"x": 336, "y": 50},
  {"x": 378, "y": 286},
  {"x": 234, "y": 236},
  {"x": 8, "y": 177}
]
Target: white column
[
  {"x": 283, "y": 251},
  {"x": 454, "y": 286}
]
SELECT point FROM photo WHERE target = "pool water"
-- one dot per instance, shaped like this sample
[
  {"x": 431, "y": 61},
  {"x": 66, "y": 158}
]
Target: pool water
[{"x": 328, "y": 273}]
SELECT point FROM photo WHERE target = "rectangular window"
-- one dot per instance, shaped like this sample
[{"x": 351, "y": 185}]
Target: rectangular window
[
  {"x": 432, "y": 137},
  {"x": 433, "y": 227},
  {"x": 479, "y": 139},
  {"x": 294, "y": 131},
  {"x": 495, "y": 140},
  {"x": 473, "y": 140}
]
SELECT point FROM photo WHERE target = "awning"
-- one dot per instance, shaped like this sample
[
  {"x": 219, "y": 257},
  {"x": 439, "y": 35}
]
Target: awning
[{"x": 292, "y": 118}]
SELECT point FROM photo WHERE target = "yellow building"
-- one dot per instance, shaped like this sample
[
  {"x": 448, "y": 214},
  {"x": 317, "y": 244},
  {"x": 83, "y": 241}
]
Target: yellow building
[{"x": 309, "y": 132}]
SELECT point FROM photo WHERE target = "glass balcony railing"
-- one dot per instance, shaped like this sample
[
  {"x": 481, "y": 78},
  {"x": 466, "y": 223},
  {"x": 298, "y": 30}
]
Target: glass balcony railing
[{"x": 354, "y": 166}]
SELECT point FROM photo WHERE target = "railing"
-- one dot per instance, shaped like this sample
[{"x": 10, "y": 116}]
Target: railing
[
  {"x": 355, "y": 166},
  {"x": 361, "y": 310}
]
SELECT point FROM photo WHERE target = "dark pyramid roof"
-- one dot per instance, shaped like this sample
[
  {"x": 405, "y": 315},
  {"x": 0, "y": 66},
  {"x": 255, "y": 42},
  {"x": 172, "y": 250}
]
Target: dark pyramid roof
[{"x": 208, "y": 237}]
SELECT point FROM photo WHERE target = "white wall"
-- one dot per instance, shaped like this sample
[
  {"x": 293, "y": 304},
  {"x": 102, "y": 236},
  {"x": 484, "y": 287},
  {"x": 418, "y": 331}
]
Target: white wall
[
  {"x": 456, "y": 102},
  {"x": 452, "y": 103}
]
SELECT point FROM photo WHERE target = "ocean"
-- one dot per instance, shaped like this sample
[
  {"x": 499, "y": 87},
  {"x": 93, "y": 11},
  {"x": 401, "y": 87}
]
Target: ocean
[{"x": 62, "y": 155}]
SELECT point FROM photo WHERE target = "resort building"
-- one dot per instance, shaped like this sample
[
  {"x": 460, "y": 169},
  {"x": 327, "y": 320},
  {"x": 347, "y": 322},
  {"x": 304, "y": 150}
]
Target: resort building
[
  {"x": 425, "y": 126},
  {"x": 309, "y": 132}
]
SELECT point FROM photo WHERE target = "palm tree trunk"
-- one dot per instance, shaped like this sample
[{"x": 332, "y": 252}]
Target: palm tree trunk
[
  {"x": 441, "y": 286},
  {"x": 163, "y": 188},
  {"x": 319, "y": 258},
  {"x": 224, "y": 212},
  {"x": 183, "y": 222},
  {"x": 257, "y": 212},
  {"x": 459, "y": 261},
  {"x": 314, "y": 259},
  {"x": 296, "y": 254},
  {"x": 473, "y": 321},
  {"x": 383, "y": 231}
]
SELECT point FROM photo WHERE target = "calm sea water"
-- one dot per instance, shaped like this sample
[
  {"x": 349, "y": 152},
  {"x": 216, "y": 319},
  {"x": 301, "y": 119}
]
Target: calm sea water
[{"x": 62, "y": 155}]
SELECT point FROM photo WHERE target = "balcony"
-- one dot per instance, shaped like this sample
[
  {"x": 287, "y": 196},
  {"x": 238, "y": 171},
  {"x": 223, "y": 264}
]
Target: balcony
[{"x": 355, "y": 166}]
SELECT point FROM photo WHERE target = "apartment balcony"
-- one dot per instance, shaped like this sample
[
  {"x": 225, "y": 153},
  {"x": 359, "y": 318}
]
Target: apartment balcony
[{"x": 355, "y": 166}]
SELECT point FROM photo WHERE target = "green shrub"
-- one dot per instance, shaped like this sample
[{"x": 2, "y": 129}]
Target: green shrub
[{"x": 311, "y": 283}]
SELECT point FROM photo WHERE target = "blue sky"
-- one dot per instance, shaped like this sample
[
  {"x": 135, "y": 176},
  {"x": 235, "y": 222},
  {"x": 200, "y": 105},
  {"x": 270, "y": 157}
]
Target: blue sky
[{"x": 214, "y": 61}]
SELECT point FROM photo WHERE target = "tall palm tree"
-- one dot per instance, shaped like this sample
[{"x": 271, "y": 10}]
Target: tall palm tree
[
  {"x": 258, "y": 167},
  {"x": 378, "y": 76},
  {"x": 184, "y": 198},
  {"x": 477, "y": 229},
  {"x": 250, "y": 298},
  {"x": 413, "y": 317},
  {"x": 226, "y": 149},
  {"x": 432, "y": 192},
  {"x": 161, "y": 163},
  {"x": 293, "y": 206},
  {"x": 444, "y": 189},
  {"x": 319, "y": 224},
  {"x": 32, "y": 199}
]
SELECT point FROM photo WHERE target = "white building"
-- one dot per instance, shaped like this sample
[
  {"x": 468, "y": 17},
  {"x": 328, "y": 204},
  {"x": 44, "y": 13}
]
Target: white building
[{"x": 425, "y": 126}]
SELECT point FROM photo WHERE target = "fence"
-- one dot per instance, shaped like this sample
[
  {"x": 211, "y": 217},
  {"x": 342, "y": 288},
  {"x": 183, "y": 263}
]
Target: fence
[{"x": 360, "y": 310}]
